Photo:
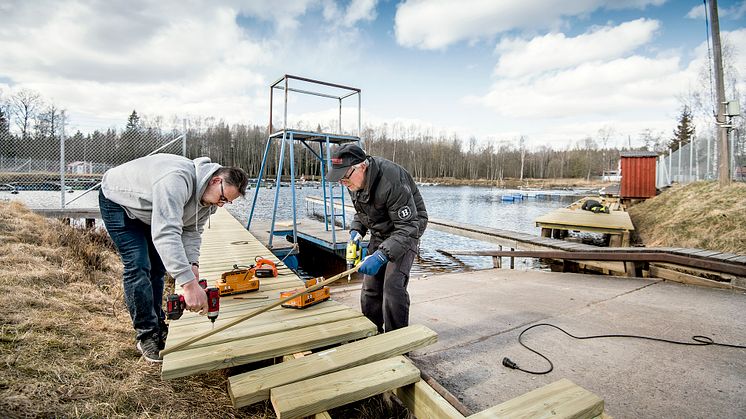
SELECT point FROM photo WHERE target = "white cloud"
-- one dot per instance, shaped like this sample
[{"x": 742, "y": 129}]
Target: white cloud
[
  {"x": 555, "y": 51},
  {"x": 598, "y": 88},
  {"x": 437, "y": 24},
  {"x": 101, "y": 59}
]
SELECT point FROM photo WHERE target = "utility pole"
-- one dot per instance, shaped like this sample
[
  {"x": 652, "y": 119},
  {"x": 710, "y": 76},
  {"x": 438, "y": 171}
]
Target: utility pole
[{"x": 722, "y": 129}]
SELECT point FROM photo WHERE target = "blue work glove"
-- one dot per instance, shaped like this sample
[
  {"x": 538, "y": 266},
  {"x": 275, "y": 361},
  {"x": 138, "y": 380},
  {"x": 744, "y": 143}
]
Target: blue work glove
[
  {"x": 355, "y": 237},
  {"x": 372, "y": 264}
]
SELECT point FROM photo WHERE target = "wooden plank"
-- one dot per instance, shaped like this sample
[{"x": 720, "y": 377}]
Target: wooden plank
[
  {"x": 194, "y": 361},
  {"x": 582, "y": 220},
  {"x": 243, "y": 331},
  {"x": 561, "y": 399},
  {"x": 199, "y": 323},
  {"x": 684, "y": 278},
  {"x": 326, "y": 392},
  {"x": 254, "y": 386},
  {"x": 425, "y": 403},
  {"x": 286, "y": 358}
]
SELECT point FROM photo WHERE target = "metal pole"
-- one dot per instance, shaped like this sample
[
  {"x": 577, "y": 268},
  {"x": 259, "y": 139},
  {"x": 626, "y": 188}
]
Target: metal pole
[
  {"x": 678, "y": 163},
  {"x": 359, "y": 107},
  {"x": 277, "y": 191},
  {"x": 285, "y": 116},
  {"x": 292, "y": 188},
  {"x": 696, "y": 159},
  {"x": 340, "y": 116},
  {"x": 707, "y": 154},
  {"x": 271, "y": 97},
  {"x": 258, "y": 183},
  {"x": 183, "y": 139},
  {"x": 691, "y": 160},
  {"x": 722, "y": 130},
  {"x": 670, "y": 165},
  {"x": 732, "y": 151},
  {"x": 62, "y": 167}
]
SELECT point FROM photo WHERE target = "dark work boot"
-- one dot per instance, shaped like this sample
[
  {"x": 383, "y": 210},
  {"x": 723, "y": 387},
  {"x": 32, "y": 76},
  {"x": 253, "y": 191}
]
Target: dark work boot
[{"x": 150, "y": 349}]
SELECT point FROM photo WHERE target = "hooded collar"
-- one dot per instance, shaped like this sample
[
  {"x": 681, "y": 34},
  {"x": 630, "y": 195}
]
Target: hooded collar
[{"x": 204, "y": 170}]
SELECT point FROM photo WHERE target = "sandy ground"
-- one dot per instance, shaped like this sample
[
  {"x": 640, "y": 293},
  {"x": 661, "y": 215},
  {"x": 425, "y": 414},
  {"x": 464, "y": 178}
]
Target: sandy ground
[{"x": 478, "y": 316}]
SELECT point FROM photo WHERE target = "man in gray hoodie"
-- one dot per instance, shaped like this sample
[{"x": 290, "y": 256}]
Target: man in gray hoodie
[{"x": 154, "y": 209}]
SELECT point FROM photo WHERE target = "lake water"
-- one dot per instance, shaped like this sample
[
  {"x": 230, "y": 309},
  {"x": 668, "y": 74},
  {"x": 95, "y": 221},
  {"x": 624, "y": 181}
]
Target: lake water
[{"x": 468, "y": 204}]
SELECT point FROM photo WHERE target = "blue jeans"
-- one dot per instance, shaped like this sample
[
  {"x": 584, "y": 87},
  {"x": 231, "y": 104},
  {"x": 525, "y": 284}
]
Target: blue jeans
[{"x": 143, "y": 268}]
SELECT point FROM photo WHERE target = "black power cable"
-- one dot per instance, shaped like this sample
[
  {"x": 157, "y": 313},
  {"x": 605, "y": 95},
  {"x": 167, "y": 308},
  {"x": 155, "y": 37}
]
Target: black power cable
[{"x": 698, "y": 341}]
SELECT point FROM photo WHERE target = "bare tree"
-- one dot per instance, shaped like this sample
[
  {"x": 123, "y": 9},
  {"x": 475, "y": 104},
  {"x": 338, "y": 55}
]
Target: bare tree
[{"x": 24, "y": 106}]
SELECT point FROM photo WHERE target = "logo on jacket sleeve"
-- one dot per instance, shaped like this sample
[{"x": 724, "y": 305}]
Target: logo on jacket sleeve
[{"x": 404, "y": 213}]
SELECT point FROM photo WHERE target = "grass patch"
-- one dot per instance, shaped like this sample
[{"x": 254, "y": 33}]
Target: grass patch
[{"x": 700, "y": 215}]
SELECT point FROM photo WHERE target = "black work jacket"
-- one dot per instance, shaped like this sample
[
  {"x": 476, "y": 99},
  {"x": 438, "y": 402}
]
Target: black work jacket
[{"x": 390, "y": 206}]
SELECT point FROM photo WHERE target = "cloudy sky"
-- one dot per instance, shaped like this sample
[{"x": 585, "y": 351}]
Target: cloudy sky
[{"x": 554, "y": 71}]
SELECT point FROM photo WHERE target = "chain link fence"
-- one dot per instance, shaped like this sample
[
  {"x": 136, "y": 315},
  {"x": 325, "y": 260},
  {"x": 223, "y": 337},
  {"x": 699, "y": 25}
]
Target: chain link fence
[
  {"x": 699, "y": 160},
  {"x": 59, "y": 171}
]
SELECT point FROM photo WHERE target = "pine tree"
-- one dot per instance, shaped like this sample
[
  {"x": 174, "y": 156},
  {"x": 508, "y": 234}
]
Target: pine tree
[
  {"x": 684, "y": 132},
  {"x": 133, "y": 122}
]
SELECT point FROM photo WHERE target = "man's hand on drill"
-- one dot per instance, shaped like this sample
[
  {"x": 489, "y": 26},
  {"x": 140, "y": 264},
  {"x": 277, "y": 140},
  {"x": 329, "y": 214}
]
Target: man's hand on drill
[
  {"x": 373, "y": 263},
  {"x": 195, "y": 297}
]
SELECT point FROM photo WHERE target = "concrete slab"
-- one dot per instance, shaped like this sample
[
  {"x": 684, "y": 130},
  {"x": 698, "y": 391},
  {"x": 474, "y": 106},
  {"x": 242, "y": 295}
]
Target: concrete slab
[{"x": 478, "y": 316}]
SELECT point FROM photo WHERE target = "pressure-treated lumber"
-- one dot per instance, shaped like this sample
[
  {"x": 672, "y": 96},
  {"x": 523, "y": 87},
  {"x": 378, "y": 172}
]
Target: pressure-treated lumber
[
  {"x": 291, "y": 321},
  {"x": 260, "y": 310},
  {"x": 216, "y": 357},
  {"x": 342, "y": 387},
  {"x": 254, "y": 386},
  {"x": 662, "y": 271},
  {"x": 425, "y": 403},
  {"x": 561, "y": 399}
]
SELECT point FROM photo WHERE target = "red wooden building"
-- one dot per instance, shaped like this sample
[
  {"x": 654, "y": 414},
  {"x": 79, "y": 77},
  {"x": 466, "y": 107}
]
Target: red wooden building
[{"x": 638, "y": 174}]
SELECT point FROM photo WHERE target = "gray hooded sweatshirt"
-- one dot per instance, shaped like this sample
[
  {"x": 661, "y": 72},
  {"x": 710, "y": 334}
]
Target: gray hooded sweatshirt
[{"x": 164, "y": 191}]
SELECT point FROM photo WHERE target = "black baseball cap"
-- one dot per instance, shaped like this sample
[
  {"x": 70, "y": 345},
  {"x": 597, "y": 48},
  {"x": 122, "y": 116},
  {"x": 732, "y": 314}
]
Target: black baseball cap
[{"x": 343, "y": 158}]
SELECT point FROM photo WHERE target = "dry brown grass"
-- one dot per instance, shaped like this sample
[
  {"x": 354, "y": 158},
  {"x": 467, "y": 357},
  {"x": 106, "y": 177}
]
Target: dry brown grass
[
  {"x": 66, "y": 341},
  {"x": 699, "y": 215}
]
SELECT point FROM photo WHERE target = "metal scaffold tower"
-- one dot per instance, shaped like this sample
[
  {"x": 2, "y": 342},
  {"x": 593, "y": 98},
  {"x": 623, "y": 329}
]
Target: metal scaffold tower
[{"x": 318, "y": 143}]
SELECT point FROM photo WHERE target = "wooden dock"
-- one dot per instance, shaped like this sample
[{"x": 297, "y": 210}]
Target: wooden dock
[
  {"x": 224, "y": 244},
  {"x": 615, "y": 223},
  {"x": 359, "y": 364}
]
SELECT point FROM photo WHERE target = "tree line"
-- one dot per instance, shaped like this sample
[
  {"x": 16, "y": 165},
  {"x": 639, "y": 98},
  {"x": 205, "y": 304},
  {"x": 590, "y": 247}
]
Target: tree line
[{"x": 31, "y": 129}]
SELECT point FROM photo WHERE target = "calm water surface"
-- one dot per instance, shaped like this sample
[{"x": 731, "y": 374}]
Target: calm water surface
[{"x": 466, "y": 204}]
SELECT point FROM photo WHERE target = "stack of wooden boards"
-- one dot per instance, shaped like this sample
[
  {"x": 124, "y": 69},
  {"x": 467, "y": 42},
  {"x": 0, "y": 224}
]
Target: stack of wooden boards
[{"x": 351, "y": 363}]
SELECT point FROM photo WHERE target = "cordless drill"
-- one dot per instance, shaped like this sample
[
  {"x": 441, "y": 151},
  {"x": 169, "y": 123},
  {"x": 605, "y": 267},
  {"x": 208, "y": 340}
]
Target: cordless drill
[
  {"x": 353, "y": 255},
  {"x": 175, "y": 303}
]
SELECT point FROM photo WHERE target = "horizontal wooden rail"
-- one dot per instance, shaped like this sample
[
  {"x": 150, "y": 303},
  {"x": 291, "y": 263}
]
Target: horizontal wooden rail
[{"x": 607, "y": 255}]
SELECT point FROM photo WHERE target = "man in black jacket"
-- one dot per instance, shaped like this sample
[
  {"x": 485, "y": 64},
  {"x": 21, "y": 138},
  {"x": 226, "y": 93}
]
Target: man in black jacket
[{"x": 389, "y": 205}]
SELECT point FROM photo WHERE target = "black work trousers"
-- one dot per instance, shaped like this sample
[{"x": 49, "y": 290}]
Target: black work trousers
[{"x": 384, "y": 298}]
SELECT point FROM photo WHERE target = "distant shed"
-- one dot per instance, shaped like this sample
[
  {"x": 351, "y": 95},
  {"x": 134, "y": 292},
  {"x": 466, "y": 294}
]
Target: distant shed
[{"x": 638, "y": 174}]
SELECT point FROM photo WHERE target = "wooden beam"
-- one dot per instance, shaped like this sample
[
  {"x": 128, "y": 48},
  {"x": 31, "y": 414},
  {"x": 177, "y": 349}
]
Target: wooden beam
[
  {"x": 339, "y": 388},
  {"x": 245, "y": 331},
  {"x": 194, "y": 361},
  {"x": 616, "y": 254},
  {"x": 561, "y": 399},
  {"x": 254, "y": 386},
  {"x": 424, "y": 402},
  {"x": 684, "y": 278}
]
